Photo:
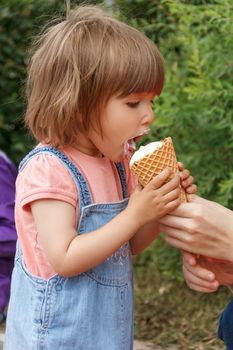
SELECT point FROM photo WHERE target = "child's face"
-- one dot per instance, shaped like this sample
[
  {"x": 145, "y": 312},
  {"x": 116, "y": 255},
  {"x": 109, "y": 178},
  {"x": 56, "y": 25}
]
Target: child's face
[{"x": 122, "y": 119}]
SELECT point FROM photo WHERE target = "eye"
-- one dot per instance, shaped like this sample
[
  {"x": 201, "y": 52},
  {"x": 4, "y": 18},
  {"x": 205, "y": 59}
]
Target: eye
[{"x": 133, "y": 104}]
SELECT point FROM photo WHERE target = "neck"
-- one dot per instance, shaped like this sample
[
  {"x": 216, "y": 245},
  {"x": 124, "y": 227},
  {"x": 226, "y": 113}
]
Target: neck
[{"x": 86, "y": 146}]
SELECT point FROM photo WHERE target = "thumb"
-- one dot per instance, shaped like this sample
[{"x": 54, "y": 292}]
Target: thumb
[
  {"x": 193, "y": 198},
  {"x": 189, "y": 258}
]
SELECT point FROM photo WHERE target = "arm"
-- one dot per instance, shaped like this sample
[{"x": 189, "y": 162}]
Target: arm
[
  {"x": 70, "y": 254},
  {"x": 201, "y": 227}
]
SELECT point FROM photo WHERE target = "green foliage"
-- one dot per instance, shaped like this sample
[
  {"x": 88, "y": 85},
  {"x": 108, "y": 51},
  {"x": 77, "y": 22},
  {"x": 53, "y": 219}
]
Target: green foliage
[
  {"x": 196, "y": 106},
  {"x": 20, "y": 22}
]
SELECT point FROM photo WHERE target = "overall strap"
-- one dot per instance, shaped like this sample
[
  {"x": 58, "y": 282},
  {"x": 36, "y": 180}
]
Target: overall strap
[
  {"x": 82, "y": 187},
  {"x": 121, "y": 171}
]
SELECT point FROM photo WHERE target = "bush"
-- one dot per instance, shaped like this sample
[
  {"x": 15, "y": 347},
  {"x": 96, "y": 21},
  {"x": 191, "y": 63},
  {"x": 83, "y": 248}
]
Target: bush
[
  {"x": 196, "y": 106},
  {"x": 20, "y": 22}
]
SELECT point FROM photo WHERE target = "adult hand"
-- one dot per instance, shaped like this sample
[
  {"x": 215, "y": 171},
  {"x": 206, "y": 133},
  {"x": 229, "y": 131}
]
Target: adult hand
[
  {"x": 198, "y": 278},
  {"x": 200, "y": 227}
]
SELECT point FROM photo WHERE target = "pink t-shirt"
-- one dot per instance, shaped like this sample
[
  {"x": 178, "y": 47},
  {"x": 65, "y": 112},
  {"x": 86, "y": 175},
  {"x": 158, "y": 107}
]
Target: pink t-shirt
[{"x": 44, "y": 176}]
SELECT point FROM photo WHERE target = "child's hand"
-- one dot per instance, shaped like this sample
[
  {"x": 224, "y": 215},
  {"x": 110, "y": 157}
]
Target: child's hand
[
  {"x": 155, "y": 200},
  {"x": 198, "y": 278},
  {"x": 187, "y": 181}
]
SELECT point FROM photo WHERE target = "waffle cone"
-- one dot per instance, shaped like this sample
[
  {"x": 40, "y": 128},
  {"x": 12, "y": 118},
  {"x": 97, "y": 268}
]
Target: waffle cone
[{"x": 152, "y": 164}]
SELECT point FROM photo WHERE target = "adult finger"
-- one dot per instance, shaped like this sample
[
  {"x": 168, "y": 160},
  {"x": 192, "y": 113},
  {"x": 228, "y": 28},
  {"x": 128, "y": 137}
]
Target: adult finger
[
  {"x": 191, "y": 189},
  {"x": 185, "y": 210},
  {"x": 199, "y": 272},
  {"x": 185, "y": 174},
  {"x": 189, "y": 258},
  {"x": 187, "y": 181},
  {"x": 182, "y": 224},
  {"x": 199, "y": 284},
  {"x": 180, "y": 244},
  {"x": 180, "y": 166}
]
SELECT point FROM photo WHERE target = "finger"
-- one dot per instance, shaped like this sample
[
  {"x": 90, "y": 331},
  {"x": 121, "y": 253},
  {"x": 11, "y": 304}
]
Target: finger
[
  {"x": 178, "y": 243},
  {"x": 159, "y": 180},
  {"x": 189, "y": 258},
  {"x": 184, "y": 174},
  {"x": 187, "y": 181},
  {"x": 180, "y": 166},
  {"x": 171, "y": 206},
  {"x": 172, "y": 195},
  {"x": 171, "y": 185},
  {"x": 199, "y": 275},
  {"x": 198, "y": 285},
  {"x": 176, "y": 227},
  {"x": 191, "y": 189},
  {"x": 198, "y": 288},
  {"x": 185, "y": 210}
]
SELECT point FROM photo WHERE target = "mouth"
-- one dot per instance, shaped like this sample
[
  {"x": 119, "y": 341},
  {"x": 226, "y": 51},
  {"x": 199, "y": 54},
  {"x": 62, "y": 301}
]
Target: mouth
[{"x": 130, "y": 145}]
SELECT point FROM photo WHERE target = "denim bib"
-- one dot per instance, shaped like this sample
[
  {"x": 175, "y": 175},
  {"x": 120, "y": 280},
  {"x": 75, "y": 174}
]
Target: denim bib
[{"x": 91, "y": 311}]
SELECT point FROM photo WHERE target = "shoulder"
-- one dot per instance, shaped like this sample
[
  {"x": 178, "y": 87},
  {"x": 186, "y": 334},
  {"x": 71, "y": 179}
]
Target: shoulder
[{"x": 44, "y": 176}]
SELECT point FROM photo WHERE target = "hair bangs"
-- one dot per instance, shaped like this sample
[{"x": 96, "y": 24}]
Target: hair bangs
[{"x": 134, "y": 65}]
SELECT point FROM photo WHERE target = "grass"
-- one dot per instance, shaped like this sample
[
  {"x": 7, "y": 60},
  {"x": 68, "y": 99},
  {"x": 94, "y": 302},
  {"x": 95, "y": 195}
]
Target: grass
[{"x": 168, "y": 313}]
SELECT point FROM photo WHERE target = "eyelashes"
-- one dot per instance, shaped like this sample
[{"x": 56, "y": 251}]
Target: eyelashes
[
  {"x": 136, "y": 104},
  {"x": 133, "y": 104}
]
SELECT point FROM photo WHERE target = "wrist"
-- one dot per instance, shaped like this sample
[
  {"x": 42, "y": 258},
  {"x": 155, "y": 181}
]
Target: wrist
[{"x": 133, "y": 219}]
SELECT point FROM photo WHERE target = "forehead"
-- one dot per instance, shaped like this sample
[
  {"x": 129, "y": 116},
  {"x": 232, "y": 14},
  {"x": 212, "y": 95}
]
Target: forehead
[{"x": 143, "y": 95}]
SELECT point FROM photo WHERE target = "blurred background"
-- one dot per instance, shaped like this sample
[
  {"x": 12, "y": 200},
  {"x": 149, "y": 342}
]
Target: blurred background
[{"x": 195, "y": 108}]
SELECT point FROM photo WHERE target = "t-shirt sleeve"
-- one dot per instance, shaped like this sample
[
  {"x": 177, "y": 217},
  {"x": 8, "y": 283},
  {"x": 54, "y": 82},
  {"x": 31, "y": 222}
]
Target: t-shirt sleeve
[{"x": 44, "y": 177}]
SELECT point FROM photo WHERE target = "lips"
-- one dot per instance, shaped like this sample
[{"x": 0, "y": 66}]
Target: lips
[
  {"x": 141, "y": 134},
  {"x": 130, "y": 145}
]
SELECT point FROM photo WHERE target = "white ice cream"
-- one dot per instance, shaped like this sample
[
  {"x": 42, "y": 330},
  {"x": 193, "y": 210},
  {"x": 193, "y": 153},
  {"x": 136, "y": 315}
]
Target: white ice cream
[{"x": 144, "y": 151}]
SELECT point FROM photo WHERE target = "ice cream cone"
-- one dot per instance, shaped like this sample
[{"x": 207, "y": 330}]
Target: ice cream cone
[{"x": 153, "y": 163}]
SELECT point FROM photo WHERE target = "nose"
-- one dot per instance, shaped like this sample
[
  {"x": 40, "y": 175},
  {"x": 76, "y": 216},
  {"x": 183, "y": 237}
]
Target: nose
[{"x": 149, "y": 115}]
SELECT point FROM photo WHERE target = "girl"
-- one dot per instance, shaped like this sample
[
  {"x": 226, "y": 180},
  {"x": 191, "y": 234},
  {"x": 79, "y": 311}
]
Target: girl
[{"x": 91, "y": 83}]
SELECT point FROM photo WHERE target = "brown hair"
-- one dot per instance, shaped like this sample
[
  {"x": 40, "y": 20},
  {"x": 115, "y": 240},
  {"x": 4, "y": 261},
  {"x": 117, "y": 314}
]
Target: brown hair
[{"x": 78, "y": 65}]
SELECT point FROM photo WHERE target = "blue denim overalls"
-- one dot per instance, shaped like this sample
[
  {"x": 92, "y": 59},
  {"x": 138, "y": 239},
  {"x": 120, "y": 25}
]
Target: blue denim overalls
[{"x": 92, "y": 311}]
